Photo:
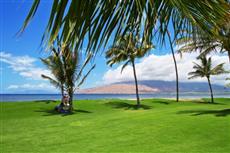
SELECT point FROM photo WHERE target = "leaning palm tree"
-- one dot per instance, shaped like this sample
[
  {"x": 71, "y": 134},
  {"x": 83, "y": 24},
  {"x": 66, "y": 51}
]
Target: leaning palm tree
[
  {"x": 206, "y": 70},
  {"x": 127, "y": 49},
  {"x": 175, "y": 65},
  {"x": 99, "y": 19}
]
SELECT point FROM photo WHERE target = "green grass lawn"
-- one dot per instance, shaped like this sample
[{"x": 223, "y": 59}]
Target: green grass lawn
[{"x": 160, "y": 126}]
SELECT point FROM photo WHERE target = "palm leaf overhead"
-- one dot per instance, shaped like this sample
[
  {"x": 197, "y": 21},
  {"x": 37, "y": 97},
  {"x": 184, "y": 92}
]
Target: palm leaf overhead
[
  {"x": 204, "y": 43},
  {"x": 99, "y": 19},
  {"x": 198, "y": 40},
  {"x": 30, "y": 15}
]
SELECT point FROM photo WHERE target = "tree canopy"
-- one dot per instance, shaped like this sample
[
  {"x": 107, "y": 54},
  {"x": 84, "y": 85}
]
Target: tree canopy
[{"x": 99, "y": 19}]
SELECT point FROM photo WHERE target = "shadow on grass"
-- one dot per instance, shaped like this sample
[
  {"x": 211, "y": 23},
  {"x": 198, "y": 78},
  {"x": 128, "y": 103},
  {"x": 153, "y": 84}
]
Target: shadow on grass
[
  {"x": 45, "y": 101},
  {"x": 162, "y": 102},
  {"x": 217, "y": 113},
  {"x": 51, "y": 112},
  {"x": 208, "y": 103},
  {"x": 127, "y": 106}
]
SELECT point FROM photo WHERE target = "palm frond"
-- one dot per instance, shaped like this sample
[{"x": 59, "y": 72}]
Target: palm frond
[
  {"x": 100, "y": 19},
  {"x": 219, "y": 69},
  {"x": 30, "y": 15},
  {"x": 52, "y": 81},
  {"x": 205, "y": 69},
  {"x": 84, "y": 78},
  {"x": 194, "y": 76},
  {"x": 88, "y": 58},
  {"x": 124, "y": 66}
]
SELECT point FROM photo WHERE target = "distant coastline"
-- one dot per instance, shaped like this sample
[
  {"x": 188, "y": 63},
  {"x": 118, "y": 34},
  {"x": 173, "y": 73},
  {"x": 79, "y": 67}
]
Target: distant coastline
[
  {"x": 39, "y": 97},
  {"x": 153, "y": 87}
]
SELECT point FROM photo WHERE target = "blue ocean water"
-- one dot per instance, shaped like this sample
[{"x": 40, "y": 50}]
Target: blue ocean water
[{"x": 37, "y": 97}]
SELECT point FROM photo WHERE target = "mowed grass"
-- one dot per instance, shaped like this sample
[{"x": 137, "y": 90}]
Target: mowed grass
[{"x": 160, "y": 126}]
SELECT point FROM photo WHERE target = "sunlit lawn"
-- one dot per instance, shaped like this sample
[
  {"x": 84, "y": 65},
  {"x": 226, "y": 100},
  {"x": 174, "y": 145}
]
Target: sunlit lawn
[{"x": 116, "y": 126}]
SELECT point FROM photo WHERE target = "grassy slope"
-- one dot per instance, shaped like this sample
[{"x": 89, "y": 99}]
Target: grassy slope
[{"x": 115, "y": 126}]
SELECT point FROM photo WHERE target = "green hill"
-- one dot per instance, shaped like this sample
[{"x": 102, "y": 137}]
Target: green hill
[{"x": 160, "y": 126}]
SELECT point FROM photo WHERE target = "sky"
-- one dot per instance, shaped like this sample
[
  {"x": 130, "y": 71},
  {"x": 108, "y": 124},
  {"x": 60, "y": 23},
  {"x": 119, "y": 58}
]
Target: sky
[{"x": 21, "y": 68}]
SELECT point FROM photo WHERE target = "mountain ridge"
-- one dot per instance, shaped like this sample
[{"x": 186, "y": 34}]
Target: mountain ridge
[{"x": 152, "y": 86}]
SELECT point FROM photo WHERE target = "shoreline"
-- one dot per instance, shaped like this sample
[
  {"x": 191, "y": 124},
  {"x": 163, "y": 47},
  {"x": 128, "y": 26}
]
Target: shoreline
[{"x": 129, "y": 99}]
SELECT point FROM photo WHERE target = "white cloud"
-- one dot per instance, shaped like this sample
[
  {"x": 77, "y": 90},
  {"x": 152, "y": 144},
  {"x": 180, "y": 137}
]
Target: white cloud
[
  {"x": 156, "y": 67},
  {"x": 31, "y": 87},
  {"x": 24, "y": 66},
  {"x": 13, "y": 87}
]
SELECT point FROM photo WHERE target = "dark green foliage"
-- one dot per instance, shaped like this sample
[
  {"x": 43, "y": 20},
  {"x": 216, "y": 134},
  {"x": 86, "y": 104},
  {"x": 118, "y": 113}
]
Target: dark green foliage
[
  {"x": 99, "y": 19},
  {"x": 198, "y": 40}
]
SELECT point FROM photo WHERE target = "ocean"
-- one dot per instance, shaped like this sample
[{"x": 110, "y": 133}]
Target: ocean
[{"x": 37, "y": 97}]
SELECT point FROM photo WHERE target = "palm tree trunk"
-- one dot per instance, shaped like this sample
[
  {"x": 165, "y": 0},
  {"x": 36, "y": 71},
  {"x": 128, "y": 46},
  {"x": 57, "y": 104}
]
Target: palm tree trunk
[
  {"x": 175, "y": 64},
  {"x": 70, "y": 93},
  {"x": 210, "y": 87},
  {"x": 62, "y": 91},
  {"x": 135, "y": 78},
  {"x": 71, "y": 102}
]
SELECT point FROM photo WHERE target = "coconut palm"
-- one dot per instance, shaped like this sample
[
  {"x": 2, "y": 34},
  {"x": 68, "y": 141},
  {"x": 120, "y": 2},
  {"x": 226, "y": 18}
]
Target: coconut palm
[
  {"x": 99, "y": 19},
  {"x": 127, "y": 49},
  {"x": 206, "y": 70},
  {"x": 74, "y": 68},
  {"x": 67, "y": 70}
]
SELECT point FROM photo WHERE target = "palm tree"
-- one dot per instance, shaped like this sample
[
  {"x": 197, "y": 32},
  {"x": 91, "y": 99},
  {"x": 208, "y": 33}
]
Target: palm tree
[
  {"x": 175, "y": 64},
  {"x": 206, "y": 70},
  {"x": 67, "y": 70},
  {"x": 127, "y": 49},
  {"x": 73, "y": 68},
  {"x": 99, "y": 19}
]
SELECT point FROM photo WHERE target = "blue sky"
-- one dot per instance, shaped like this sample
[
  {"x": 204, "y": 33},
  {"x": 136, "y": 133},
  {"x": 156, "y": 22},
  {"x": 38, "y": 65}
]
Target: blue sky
[
  {"x": 12, "y": 15},
  {"x": 20, "y": 65}
]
